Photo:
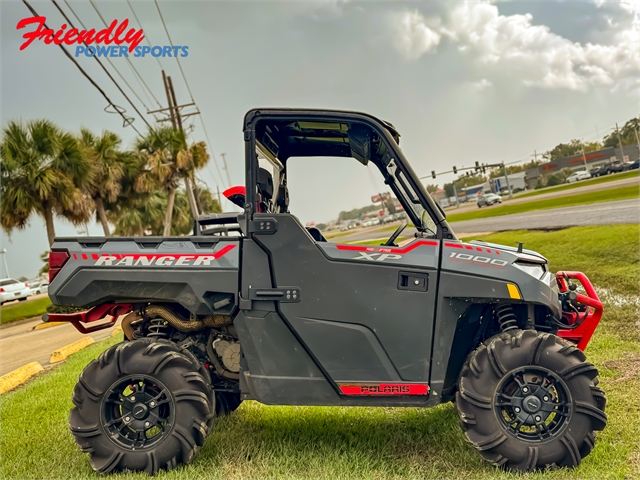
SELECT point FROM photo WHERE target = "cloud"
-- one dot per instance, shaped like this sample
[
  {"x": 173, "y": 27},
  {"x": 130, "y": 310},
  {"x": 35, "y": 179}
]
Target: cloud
[
  {"x": 412, "y": 37},
  {"x": 482, "y": 84},
  {"x": 532, "y": 53}
]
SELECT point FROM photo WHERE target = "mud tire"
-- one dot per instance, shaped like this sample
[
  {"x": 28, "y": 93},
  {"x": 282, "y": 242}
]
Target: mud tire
[
  {"x": 481, "y": 377},
  {"x": 193, "y": 406}
]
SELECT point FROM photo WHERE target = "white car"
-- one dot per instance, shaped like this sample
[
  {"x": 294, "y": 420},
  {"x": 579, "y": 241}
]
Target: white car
[
  {"x": 39, "y": 287},
  {"x": 11, "y": 289},
  {"x": 577, "y": 176}
]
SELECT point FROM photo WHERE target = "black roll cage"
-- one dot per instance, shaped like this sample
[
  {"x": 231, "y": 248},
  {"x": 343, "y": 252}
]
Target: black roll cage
[{"x": 393, "y": 158}]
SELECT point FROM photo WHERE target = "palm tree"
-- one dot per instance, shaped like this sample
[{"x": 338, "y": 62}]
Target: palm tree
[
  {"x": 43, "y": 172},
  {"x": 108, "y": 163},
  {"x": 169, "y": 160},
  {"x": 147, "y": 213}
]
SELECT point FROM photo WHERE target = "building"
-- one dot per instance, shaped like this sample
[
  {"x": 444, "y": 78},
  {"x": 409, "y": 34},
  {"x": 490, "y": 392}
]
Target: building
[
  {"x": 578, "y": 162},
  {"x": 517, "y": 182}
]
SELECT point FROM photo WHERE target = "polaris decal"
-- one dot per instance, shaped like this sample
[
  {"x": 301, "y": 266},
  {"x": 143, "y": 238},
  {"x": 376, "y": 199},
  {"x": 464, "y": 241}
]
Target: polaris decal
[
  {"x": 477, "y": 259},
  {"x": 384, "y": 389}
]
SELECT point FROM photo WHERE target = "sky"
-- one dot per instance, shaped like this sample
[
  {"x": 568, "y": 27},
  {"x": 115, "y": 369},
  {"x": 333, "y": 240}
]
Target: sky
[{"x": 461, "y": 81}]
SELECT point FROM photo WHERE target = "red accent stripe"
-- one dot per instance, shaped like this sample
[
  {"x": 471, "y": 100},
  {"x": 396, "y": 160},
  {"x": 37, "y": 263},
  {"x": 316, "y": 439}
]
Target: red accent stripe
[
  {"x": 408, "y": 248},
  {"x": 216, "y": 255},
  {"x": 384, "y": 389},
  {"x": 453, "y": 245},
  {"x": 75, "y": 257}
]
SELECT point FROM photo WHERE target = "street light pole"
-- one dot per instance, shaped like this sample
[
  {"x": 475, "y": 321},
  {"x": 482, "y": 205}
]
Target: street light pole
[
  {"x": 4, "y": 257},
  {"x": 504, "y": 169}
]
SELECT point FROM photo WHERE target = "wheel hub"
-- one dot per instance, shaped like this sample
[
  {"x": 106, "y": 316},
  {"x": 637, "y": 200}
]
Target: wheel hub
[
  {"x": 137, "y": 412},
  {"x": 532, "y": 404},
  {"x": 140, "y": 411}
]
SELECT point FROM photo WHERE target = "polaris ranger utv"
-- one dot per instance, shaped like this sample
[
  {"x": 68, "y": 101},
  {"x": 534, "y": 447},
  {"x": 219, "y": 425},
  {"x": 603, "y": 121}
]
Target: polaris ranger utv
[{"x": 254, "y": 306}]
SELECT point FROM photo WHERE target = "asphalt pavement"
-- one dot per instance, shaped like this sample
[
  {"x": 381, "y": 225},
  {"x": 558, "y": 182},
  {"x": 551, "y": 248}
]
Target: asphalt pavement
[{"x": 20, "y": 344}]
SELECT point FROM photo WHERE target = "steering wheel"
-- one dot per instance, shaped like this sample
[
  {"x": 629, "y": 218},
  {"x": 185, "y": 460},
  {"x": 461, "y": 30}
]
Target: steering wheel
[{"x": 392, "y": 240}]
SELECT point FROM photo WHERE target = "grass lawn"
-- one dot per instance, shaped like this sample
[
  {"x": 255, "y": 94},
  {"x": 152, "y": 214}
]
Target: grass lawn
[
  {"x": 610, "y": 195},
  {"x": 342, "y": 443},
  {"x": 27, "y": 309},
  {"x": 583, "y": 183}
]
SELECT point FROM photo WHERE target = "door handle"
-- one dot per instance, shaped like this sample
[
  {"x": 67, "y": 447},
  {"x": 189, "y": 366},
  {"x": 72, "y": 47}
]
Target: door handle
[{"x": 417, "y": 282}]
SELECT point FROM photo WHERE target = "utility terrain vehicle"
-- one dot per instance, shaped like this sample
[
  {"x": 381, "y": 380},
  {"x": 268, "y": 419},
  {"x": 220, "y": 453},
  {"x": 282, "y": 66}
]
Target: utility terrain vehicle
[{"x": 254, "y": 306}]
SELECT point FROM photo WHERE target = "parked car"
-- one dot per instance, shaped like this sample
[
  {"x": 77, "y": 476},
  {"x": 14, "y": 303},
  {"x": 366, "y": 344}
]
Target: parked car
[
  {"x": 39, "y": 287},
  {"x": 11, "y": 289},
  {"x": 577, "y": 176},
  {"x": 400, "y": 215},
  {"x": 621, "y": 167},
  {"x": 370, "y": 222},
  {"x": 594, "y": 171},
  {"x": 634, "y": 165},
  {"x": 488, "y": 199},
  {"x": 608, "y": 168},
  {"x": 388, "y": 218}
]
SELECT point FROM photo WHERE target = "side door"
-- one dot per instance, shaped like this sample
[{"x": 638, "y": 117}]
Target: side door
[{"x": 364, "y": 313}]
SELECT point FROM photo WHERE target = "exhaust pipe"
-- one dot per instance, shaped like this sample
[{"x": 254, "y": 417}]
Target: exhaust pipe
[{"x": 184, "y": 325}]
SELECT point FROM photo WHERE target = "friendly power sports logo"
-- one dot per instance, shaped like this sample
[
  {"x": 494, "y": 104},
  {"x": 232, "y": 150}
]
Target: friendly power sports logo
[{"x": 116, "y": 40}]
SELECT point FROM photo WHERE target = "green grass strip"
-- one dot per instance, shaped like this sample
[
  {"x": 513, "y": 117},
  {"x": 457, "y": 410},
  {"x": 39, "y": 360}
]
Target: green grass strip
[
  {"x": 582, "y": 183},
  {"x": 22, "y": 310},
  {"x": 610, "y": 195}
]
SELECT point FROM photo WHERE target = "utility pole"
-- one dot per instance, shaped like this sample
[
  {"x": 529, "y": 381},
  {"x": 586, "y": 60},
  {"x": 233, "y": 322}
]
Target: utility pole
[
  {"x": 4, "y": 257},
  {"x": 175, "y": 114},
  {"x": 637, "y": 139},
  {"x": 620, "y": 143},
  {"x": 584, "y": 158},
  {"x": 504, "y": 169},
  {"x": 224, "y": 161},
  {"x": 455, "y": 195}
]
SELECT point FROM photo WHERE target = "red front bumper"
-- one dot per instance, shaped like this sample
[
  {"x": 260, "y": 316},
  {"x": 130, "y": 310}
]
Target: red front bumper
[{"x": 582, "y": 334}]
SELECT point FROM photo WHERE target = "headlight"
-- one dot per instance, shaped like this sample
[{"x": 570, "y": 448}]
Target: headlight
[{"x": 536, "y": 270}]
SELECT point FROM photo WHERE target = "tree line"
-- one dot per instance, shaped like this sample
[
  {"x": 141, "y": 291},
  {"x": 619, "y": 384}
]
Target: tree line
[{"x": 48, "y": 172}]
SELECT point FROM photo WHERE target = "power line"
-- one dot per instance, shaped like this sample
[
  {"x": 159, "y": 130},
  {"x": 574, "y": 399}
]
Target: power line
[
  {"x": 107, "y": 58},
  {"x": 119, "y": 110},
  {"x": 128, "y": 60},
  {"x": 215, "y": 160},
  {"x": 103, "y": 67},
  {"x": 171, "y": 43},
  {"x": 146, "y": 37}
]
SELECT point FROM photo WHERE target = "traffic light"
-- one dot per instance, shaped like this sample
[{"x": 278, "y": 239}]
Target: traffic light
[
  {"x": 477, "y": 166},
  {"x": 455, "y": 170},
  {"x": 433, "y": 173}
]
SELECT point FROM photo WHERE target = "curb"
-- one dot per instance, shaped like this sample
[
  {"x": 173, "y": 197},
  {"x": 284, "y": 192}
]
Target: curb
[
  {"x": 42, "y": 325},
  {"x": 18, "y": 376},
  {"x": 64, "y": 352}
]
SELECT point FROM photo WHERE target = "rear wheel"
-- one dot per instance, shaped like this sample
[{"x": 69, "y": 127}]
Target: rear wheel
[
  {"x": 528, "y": 400},
  {"x": 143, "y": 405}
]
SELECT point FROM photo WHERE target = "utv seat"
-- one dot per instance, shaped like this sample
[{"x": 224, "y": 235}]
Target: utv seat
[{"x": 265, "y": 189}]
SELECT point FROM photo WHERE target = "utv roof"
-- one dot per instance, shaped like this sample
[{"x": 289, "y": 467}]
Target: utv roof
[
  {"x": 318, "y": 113},
  {"x": 294, "y": 132}
]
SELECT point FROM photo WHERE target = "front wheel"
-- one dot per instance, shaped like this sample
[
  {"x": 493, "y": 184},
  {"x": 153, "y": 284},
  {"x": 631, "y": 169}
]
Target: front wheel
[
  {"x": 142, "y": 405},
  {"x": 528, "y": 400}
]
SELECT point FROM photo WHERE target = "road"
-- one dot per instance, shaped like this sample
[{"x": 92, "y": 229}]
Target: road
[
  {"x": 20, "y": 345},
  {"x": 518, "y": 198},
  {"x": 623, "y": 211}
]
